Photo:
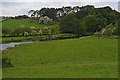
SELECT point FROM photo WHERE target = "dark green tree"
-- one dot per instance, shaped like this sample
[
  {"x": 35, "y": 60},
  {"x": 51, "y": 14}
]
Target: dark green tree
[
  {"x": 69, "y": 24},
  {"x": 91, "y": 23}
]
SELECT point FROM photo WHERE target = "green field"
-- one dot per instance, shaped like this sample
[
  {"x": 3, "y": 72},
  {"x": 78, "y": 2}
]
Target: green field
[
  {"x": 14, "y": 23},
  {"x": 71, "y": 58}
]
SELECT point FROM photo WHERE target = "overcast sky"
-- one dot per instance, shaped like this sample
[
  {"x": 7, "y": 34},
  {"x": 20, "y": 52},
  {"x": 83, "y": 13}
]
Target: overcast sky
[{"x": 20, "y": 7}]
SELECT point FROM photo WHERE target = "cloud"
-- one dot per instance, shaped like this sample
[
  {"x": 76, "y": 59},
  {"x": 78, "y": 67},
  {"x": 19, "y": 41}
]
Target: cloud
[
  {"x": 20, "y": 8},
  {"x": 60, "y": 1}
]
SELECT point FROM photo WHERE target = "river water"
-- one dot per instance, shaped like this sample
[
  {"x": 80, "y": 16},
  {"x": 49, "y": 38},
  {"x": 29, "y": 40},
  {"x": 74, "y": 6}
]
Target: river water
[{"x": 12, "y": 44}]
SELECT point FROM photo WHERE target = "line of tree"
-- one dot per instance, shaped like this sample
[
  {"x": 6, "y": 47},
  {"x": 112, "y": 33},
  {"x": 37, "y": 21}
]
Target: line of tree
[
  {"x": 104, "y": 13},
  {"x": 90, "y": 20}
]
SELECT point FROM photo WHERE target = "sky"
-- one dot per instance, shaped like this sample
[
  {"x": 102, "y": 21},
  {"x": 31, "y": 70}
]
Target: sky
[{"x": 20, "y": 7}]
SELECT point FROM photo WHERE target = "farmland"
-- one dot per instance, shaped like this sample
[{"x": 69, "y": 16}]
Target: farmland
[{"x": 90, "y": 58}]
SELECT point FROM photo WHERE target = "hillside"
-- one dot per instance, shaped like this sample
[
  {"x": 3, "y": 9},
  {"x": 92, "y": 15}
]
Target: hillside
[{"x": 14, "y": 23}]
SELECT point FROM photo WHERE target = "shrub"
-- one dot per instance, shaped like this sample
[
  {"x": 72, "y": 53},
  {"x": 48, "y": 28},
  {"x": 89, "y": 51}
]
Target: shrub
[
  {"x": 109, "y": 29},
  {"x": 22, "y": 26},
  {"x": 97, "y": 34},
  {"x": 45, "y": 20},
  {"x": 6, "y": 62},
  {"x": 32, "y": 28},
  {"x": 25, "y": 34},
  {"x": 45, "y": 30},
  {"x": 49, "y": 31},
  {"x": 40, "y": 32},
  {"x": 34, "y": 32},
  {"x": 54, "y": 30}
]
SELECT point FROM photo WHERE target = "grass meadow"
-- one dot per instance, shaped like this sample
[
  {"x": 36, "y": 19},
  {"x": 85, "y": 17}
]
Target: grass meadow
[
  {"x": 71, "y": 58},
  {"x": 15, "y": 23}
]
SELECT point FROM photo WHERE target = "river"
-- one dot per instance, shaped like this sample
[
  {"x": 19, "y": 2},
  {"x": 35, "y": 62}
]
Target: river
[{"x": 12, "y": 44}]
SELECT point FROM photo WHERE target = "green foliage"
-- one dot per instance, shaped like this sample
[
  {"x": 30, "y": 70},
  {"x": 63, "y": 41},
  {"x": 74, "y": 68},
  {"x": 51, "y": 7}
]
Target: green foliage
[
  {"x": 108, "y": 30},
  {"x": 27, "y": 29},
  {"x": 84, "y": 11},
  {"x": 6, "y": 62},
  {"x": 55, "y": 30},
  {"x": 50, "y": 12},
  {"x": 69, "y": 24},
  {"x": 97, "y": 34},
  {"x": 91, "y": 23}
]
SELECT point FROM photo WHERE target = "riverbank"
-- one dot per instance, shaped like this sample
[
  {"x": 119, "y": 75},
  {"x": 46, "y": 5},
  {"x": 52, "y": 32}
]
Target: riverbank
[
  {"x": 69, "y": 58},
  {"x": 38, "y": 38},
  {"x": 20, "y": 40}
]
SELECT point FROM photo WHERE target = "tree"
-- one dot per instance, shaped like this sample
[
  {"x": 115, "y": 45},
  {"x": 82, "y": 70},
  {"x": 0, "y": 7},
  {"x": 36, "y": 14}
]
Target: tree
[
  {"x": 67, "y": 9},
  {"x": 76, "y": 8},
  {"x": 60, "y": 12},
  {"x": 91, "y": 23},
  {"x": 33, "y": 13},
  {"x": 69, "y": 24},
  {"x": 50, "y": 12}
]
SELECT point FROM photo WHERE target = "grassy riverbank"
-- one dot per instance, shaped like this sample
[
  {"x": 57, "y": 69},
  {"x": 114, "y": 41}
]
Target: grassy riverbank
[
  {"x": 71, "y": 58},
  {"x": 36, "y": 38}
]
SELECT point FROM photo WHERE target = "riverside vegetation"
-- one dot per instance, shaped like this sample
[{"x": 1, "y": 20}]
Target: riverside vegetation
[{"x": 91, "y": 53}]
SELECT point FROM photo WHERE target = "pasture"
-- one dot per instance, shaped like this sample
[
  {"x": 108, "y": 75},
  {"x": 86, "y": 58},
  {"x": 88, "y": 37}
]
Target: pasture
[
  {"x": 15, "y": 23},
  {"x": 71, "y": 58}
]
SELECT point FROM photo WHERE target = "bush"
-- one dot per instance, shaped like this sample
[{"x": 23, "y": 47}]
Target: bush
[
  {"x": 45, "y": 30},
  {"x": 40, "y": 32},
  {"x": 97, "y": 34},
  {"x": 109, "y": 29},
  {"x": 34, "y": 32},
  {"x": 45, "y": 20},
  {"x": 25, "y": 34},
  {"x": 6, "y": 62},
  {"x": 54, "y": 30}
]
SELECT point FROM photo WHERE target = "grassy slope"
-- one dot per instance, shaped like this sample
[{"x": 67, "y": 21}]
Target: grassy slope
[
  {"x": 65, "y": 58},
  {"x": 13, "y": 23}
]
